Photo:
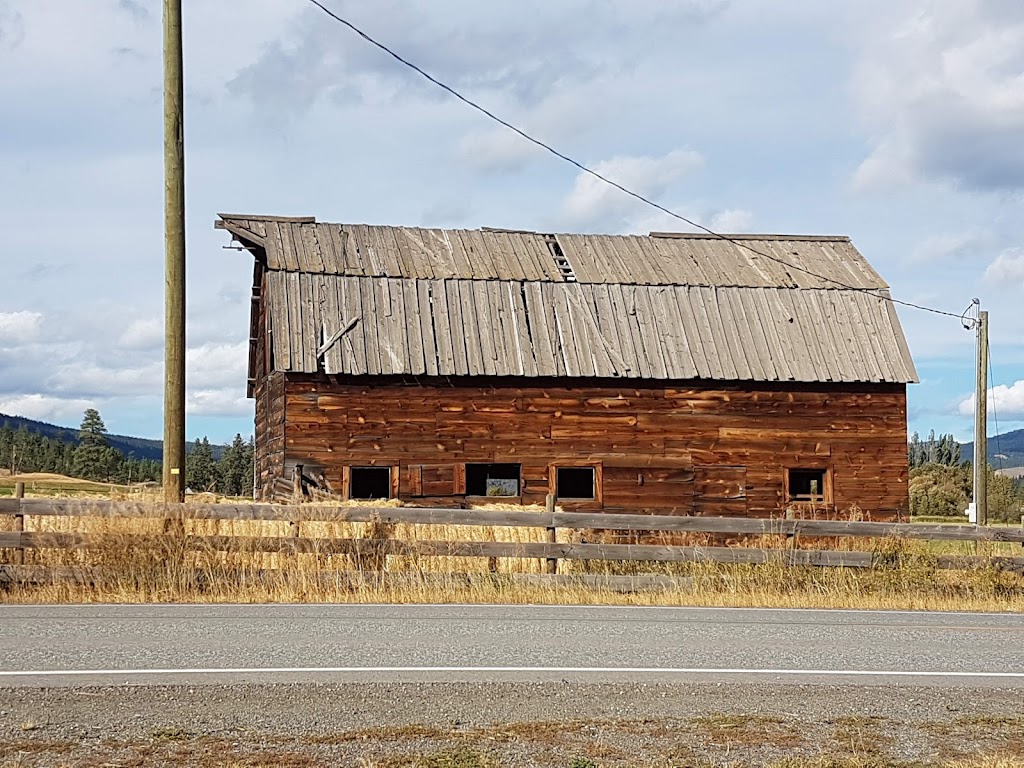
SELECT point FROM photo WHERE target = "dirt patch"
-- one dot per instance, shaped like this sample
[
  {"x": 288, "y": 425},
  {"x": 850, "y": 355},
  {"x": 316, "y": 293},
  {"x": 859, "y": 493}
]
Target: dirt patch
[{"x": 549, "y": 725}]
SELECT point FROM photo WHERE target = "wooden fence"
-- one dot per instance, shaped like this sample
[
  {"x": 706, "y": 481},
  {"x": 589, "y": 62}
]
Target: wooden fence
[{"x": 549, "y": 550}]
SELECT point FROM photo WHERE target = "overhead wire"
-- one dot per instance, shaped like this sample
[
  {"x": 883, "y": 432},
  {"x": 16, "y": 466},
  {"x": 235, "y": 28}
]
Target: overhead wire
[
  {"x": 969, "y": 322},
  {"x": 601, "y": 177}
]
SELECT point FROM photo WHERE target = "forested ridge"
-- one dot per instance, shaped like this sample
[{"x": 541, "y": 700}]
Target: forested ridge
[{"x": 91, "y": 454}]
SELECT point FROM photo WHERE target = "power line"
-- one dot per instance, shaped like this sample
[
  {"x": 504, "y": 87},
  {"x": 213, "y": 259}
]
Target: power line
[{"x": 605, "y": 179}]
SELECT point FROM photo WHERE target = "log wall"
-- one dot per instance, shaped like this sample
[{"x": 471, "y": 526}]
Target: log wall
[
  {"x": 270, "y": 434},
  {"x": 681, "y": 448}
]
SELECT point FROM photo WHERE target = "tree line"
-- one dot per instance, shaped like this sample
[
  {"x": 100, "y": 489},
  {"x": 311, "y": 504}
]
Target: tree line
[
  {"x": 232, "y": 475},
  {"x": 942, "y": 484},
  {"x": 943, "y": 449},
  {"x": 88, "y": 456}
]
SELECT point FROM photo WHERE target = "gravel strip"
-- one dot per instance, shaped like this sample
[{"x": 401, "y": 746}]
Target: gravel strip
[{"x": 499, "y": 724}]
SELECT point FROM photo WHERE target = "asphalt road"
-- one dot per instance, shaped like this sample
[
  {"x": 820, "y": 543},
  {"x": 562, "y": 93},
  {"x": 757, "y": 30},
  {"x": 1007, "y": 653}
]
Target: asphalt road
[{"x": 60, "y": 646}]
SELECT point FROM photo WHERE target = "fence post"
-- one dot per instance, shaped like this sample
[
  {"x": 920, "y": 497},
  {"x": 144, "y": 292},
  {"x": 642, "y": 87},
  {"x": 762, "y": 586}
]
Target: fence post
[
  {"x": 790, "y": 537},
  {"x": 19, "y": 522},
  {"x": 297, "y": 483},
  {"x": 549, "y": 507},
  {"x": 293, "y": 525}
]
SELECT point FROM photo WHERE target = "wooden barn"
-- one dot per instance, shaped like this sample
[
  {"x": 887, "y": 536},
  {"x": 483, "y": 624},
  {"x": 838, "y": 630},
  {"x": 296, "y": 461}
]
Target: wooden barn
[{"x": 673, "y": 373}]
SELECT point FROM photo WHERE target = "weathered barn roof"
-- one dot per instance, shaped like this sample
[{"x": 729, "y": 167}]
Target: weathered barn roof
[
  {"x": 303, "y": 245},
  {"x": 498, "y": 303}
]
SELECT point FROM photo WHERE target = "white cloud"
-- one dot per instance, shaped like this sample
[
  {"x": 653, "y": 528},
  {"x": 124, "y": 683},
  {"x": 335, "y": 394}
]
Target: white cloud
[
  {"x": 522, "y": 52},
  {"x": 496, "y": 151},
  {"x": 1008, "y": 267},
  {"x": 119, "y": 374},
  {"x": 229, "y": 401},
  {"x": 945, "y": 247},
  {"x": 19, "y": 327},
  {"x": 143, "y": 334},
  {"x": 12, "y": 27},
  {"x": 217, "y": 365},
  {"x": 570, "y": 113},
  {"x": 943, "y": 90},
  {"x": 1006, "y": 402},
  {"x": 45, "y": 407},
  {"x": 593, "y": 204},
  {"x": 731, "y": 221},
  {"x": 88, "y": 377}
]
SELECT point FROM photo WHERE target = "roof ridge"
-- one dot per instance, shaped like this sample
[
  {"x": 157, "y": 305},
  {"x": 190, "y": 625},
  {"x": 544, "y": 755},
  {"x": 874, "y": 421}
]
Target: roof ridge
[
  {"x": 520, "y": 231},
  {"x": 662, "y": 258},
  {"x": 258, "y": 217},
  {"x": 750, "y": 236}
]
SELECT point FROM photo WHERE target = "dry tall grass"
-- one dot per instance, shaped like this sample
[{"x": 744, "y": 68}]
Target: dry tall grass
[{"x": 134, "y": 560}]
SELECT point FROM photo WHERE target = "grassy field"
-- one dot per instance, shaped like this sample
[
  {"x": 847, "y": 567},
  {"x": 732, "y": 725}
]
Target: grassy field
[{"x": 47, "y": 485}]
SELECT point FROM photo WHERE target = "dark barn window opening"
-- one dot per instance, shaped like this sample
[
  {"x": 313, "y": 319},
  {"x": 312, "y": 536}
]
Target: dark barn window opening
[
  {"x": 575, "y": 483},
  {"x": 370, "y": 483},
  {"x": 807, "y": 485},
  {"x": 493, "y": 479}
]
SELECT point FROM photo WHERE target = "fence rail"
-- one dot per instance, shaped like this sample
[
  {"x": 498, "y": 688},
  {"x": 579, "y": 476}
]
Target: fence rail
[
  {"x": 549, "y": 550},
  {"x": 507, "y": 518}
]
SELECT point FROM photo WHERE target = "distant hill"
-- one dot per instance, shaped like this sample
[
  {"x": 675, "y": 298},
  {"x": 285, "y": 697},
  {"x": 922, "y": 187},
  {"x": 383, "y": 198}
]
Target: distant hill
[
  {"x": 139, "y": 446},
  {"x": 1006, "y": 451},
  {"x": 142, "y": 448}
]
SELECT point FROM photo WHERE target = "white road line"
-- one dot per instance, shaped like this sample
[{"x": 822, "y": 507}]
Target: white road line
[
  {"x": 557, "y": 670},
  {"x": 177, "y": 607}
]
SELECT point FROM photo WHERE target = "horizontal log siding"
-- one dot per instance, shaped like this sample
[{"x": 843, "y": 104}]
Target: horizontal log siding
[
  {"x": 719, "y": 450},
  {"x": 270, "y": 431}
]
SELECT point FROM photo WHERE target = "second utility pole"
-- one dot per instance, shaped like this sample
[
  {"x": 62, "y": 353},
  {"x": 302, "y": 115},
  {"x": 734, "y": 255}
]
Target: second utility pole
[
  {"x": 174, "y": 257},
  {"x": 981, "y": 424}
]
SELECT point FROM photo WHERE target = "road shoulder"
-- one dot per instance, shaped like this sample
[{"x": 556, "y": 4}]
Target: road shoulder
[{"x": 507, "y": 723}]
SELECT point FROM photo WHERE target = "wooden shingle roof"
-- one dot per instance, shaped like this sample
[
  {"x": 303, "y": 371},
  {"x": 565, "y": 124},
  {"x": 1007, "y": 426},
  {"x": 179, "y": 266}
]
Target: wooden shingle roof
[
  {"x": 372, "y": 300},
  {"x": 303, "y": 245}
]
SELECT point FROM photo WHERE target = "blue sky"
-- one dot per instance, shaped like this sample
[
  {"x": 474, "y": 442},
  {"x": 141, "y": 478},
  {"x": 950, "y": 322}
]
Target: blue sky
[{"x": 898, "y": 123}]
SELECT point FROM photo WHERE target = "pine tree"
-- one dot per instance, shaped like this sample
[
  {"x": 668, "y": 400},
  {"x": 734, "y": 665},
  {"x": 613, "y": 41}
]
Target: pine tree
[
  {"x": 914, "y": 451},
  {"x": 19, "y": 451},
  {"x": 53, "y": 451},
  {"x": 91, "y": 457},
  {"x": 955, "y": 457},
  {"x": 7, "y": 446},
  {"x": 67, "y": 459},
  {"x": 236, "y": 467},
  {"x": 200, "y": 467}
]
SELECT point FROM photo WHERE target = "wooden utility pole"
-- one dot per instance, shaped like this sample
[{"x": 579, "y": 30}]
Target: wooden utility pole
[
  {"x": 981, "y": 423},
  {"x": 174, "y": 254}
]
